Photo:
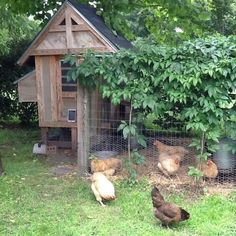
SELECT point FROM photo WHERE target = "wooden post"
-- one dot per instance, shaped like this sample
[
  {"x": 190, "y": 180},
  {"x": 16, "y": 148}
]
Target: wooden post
[
  {"x": 44, "y": 135},
  {"x": 87, "y": 122},
  {"x": 73, "y": 139},
  {"x": 82, "y": 129}
]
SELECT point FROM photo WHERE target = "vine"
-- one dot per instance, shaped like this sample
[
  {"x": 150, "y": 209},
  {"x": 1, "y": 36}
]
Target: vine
[{"x": 196, "y": 82}]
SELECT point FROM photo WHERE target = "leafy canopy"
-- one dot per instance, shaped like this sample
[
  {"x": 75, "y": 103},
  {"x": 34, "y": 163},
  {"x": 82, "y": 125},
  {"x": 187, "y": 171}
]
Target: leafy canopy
[{"x": 157, "y": 19}]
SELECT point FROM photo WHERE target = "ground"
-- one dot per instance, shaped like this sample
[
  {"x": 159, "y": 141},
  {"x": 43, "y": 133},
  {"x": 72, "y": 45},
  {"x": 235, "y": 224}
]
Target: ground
[
  {"x": 44, "y": 196},
  {"x": 65, "y": 163}
]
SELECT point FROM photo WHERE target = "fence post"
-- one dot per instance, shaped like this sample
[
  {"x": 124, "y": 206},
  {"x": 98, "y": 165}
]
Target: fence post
[{"x": 82, "y": 129}]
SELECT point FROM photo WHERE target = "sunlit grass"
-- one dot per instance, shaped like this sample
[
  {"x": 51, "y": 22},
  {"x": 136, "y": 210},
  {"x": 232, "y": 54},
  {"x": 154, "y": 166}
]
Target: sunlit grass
[{"x": 34, "y": 202}]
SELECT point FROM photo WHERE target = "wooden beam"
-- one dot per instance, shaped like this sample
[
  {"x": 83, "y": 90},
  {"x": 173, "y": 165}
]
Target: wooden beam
[
  {"x": 74, "y": 139},
  {"x": 38, "y": 70},
  {"x": 69, "y": 94},
  {"x": 68, "y": 28},
  {"x": 58, "y": 28},
  {"x": 85, "y": 49},
  {"x": 62, "y": 28},
  {"x": 59, "y": 89},
  {"x": 44, "y": 135},
  {"x": 82, "y": 130},
  {"x": 80, "y": 27},
  {"x": 58, "y": 124},
  {"x": 45, "y": 52},
  {"x": 53, "y": 80}
]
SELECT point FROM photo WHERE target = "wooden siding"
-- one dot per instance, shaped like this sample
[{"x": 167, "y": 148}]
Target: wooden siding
[
  {"x": 27, "y": 88},
  {"x": 67, "y": 32},
  {"x": 46, "y": 89},
  {"x": 67, "y": 103}
]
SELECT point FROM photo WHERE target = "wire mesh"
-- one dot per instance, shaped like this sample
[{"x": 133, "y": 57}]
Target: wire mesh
[{"x": 104, "y": 136}]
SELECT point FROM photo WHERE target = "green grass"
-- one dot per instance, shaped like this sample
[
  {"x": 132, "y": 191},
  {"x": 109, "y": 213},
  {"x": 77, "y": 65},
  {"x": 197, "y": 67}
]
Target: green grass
[{"x": 34, "y": 202}]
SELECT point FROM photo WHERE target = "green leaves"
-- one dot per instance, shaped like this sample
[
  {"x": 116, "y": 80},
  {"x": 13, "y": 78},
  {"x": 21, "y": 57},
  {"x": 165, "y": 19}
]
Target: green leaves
[
  {"x": 137, "y": 158},
  {"x": 193, "y": 83},
  {"x": 127, "y": 129},
  {"x": 196, "y": 173}
]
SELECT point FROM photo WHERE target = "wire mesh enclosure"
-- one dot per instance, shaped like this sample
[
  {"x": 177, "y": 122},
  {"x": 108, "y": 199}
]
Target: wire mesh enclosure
[{"x": 105, "y": 136}]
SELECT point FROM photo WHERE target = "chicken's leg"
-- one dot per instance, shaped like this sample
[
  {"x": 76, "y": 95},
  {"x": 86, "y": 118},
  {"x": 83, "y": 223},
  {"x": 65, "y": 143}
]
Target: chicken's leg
[
  {"x": 102, "y": 203},
  {"x": 97, "y": 195}
]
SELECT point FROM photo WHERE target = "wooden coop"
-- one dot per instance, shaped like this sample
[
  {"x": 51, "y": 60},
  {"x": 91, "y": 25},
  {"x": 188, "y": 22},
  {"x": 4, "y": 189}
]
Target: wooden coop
[{"x": 74, "y": 29}]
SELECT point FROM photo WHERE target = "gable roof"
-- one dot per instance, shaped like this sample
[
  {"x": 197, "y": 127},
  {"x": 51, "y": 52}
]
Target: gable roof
[
  {"x": 93, "y": 20},
  {"x": 97, "y": 21},
  {"x": 31, "y": 74}
]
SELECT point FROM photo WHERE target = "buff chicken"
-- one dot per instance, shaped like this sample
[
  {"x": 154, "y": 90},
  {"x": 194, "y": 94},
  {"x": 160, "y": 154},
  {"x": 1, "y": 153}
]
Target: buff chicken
[
  {"x": 171, "y": 150},
  {"x": 102, "y": 188},
  {"x": 168, "y": 164},
  {"x": 209, "y": 169},
  {"x": 98, "y": 165},
  {"x": 167, "y": 213}
]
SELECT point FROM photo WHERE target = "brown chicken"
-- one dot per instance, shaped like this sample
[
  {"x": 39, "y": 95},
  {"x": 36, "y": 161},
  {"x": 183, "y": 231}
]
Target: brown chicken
[
  {"x": 171, "y": 150},
  {"x": 109, "y": 172},
  {"x": 103, "y": 165},
  {"x": 102, "y": 188},
  {"x": 209, "y": 169},
  {"x": 167, "y": 213},
  {"x": 168, "y": 164}
]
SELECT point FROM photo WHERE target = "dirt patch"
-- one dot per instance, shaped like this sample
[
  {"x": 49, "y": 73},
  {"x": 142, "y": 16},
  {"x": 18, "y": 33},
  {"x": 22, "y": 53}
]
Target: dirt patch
[
  {"x": 64, "y": 164},
  {"x": 65, "y": 170},
  {"x": 150, "y": 169},
  {"x": 62, "y": 157}
]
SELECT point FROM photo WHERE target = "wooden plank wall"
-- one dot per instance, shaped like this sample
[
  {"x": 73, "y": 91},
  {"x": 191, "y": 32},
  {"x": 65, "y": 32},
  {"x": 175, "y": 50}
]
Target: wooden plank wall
[
  {"x": 46, "y": 88},
  {"x": 27, "y": 89}
]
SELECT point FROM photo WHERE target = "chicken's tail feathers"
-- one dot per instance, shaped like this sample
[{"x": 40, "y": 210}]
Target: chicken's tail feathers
[
  {"x": 110, "y": 197},
  {"x": 184, "y": 214}
]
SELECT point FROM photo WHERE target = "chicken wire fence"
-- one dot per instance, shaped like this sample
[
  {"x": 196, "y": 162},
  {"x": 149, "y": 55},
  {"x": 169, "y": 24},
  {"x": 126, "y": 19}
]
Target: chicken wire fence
[{"x": 105, "y": 138}]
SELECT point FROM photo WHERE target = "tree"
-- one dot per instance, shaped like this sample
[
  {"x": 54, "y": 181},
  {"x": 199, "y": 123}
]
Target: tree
[
  {"x": 223, "y": 18},
  {"x": 16, "y": 31},
  {"x": 139, "y": 18}
]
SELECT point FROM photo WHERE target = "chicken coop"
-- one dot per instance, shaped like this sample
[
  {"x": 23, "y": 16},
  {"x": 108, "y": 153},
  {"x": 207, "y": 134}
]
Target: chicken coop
[{"x": 74, "y": 29}]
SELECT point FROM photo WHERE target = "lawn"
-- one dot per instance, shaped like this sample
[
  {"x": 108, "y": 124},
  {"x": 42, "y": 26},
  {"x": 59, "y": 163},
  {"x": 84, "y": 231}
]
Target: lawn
[{"x": 35, "y": 202}]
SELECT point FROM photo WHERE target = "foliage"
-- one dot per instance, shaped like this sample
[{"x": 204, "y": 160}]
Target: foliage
[
  {"x": 223, "y": 16},
  {"x": 195, "y": 173},
  {"x": 137, "y": 158},
  {"x": 157, "y": 19},
  {"x": 130, "y": 131},
  {"x": 196, "y": 82},
  {"x": 17, "y": 31},
  {"x": 13, "y": 30}
]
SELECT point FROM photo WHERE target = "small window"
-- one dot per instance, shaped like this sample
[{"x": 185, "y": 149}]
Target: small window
[
  {"x": 63, "y": 22},
  {"x": 71, "y": 115},
  {"x": 67, "y": 85}
]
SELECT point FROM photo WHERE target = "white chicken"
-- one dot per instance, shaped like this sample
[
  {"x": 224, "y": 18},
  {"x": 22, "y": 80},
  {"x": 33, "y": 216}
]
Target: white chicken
[{"x": 102, "y": 188}]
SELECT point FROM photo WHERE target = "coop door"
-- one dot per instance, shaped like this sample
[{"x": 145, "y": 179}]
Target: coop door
[{"x": 71, "y": 115}]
